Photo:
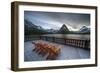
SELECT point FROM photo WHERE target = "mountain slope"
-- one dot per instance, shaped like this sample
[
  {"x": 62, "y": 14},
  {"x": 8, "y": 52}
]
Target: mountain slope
[
  {"x": 63, "y": 29},
  {"x": 84, "y": 29},
  {"x": 31, "y": 28}
]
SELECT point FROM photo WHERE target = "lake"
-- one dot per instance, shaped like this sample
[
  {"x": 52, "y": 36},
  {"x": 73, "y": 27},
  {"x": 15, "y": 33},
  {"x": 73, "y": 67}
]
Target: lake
[{"x": 70, "y": 36}]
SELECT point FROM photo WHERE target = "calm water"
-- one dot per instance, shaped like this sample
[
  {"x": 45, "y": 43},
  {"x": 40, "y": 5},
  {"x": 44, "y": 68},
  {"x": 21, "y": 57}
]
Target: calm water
[{"x": 70, "y": 36}]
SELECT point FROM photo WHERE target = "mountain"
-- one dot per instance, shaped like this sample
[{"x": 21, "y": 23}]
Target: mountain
[
  {"x": 64, "y": 29},
  {"x": 84, "y": 29},
  {"x": 31, "y": 28},
  {"x": 51, "y": 30}
]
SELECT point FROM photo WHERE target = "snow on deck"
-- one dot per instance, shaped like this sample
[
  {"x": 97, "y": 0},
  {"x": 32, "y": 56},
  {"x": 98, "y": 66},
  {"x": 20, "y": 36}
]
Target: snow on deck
[{"x": 66, "y": 53}]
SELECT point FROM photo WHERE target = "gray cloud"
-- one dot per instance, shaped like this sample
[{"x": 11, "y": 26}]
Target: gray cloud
[{"x": 55, "y": 20}]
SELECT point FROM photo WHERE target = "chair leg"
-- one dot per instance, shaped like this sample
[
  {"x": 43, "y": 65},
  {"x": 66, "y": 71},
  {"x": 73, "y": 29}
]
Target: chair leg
[
  {"x": 34, "y": 49},
  {"x": 51, "y": 57}
]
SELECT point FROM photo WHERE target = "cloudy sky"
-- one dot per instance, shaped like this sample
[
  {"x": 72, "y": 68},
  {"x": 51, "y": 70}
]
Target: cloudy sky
[{"x": 54, "y": 20}]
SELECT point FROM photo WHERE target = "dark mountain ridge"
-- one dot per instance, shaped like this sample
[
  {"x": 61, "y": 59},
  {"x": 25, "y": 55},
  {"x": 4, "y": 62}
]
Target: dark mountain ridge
[{"x": 31, "y": 28}]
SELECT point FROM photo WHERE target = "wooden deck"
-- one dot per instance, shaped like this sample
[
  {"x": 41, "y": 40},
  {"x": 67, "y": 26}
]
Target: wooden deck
[{"x": 66, "y": 53}]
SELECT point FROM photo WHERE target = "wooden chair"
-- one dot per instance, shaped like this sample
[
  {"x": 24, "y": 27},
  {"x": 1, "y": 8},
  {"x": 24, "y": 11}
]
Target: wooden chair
[{"x": 43, "y": 48}]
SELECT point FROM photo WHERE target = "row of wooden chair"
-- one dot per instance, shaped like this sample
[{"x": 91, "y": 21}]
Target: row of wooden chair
[{"x": 43, "y": 48}]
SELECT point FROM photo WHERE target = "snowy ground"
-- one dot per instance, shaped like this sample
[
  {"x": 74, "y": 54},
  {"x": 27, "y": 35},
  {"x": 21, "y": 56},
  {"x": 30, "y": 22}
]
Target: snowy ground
[{"x": 66, "y": 53}]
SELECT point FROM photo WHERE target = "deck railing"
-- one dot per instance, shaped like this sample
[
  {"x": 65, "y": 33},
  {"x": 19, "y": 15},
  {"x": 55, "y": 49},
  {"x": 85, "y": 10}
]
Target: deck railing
[
  {"x": 82, "y": 43},
  {"x": 72, "y": 42}
]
